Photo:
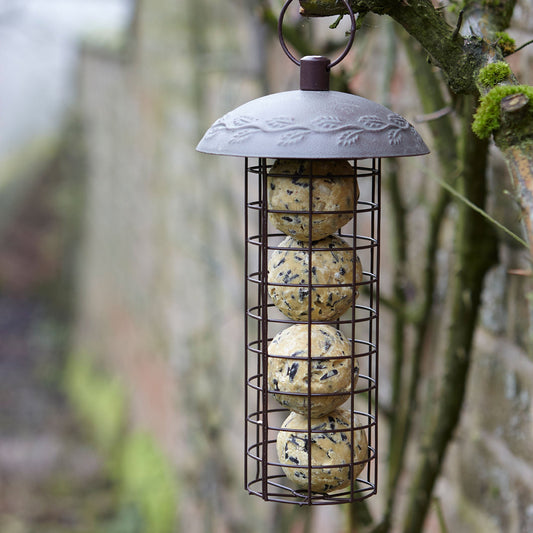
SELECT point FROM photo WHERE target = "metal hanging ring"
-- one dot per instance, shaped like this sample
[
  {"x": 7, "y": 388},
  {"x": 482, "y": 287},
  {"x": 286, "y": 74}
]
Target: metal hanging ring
[{"x": 332, "y": 63}]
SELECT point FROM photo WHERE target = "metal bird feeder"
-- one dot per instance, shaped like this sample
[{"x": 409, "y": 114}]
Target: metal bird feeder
[{"x": 312, "y": 232}]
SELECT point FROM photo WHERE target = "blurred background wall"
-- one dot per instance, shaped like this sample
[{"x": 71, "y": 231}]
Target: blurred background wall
[
  {"x": 160, "y": 281},
  {"x": 144, "y": 279}
]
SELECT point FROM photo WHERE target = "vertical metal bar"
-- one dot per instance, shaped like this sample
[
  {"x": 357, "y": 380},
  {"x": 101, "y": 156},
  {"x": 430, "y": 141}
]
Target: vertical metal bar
[
  {"x": 246, "y": 331},
  {"x": 256, "y": 325},
  {"x": 378, "y": 265},
  {"x": 264, "y": 322},
  {"x": 371, "y": 339},
  {"x": 309, "y": 328},
  {"x": 353, "y": 332}
]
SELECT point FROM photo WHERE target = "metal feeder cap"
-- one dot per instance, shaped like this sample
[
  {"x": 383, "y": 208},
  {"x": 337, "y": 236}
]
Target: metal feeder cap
[{"x": 318, "y": 124}]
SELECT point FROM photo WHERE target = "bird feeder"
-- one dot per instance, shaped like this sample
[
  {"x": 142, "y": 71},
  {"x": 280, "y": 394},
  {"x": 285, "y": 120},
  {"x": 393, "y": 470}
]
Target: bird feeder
[{"x": 312, "y": 171}]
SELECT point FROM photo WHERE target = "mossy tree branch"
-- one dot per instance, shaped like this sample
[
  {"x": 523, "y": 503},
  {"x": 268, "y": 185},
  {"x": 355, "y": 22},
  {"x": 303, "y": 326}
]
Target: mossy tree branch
[
  {"x": 513, "y": 131},
  {"x": 461, "y": 59}
]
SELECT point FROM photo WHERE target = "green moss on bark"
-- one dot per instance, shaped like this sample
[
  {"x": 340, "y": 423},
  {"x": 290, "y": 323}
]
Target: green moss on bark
[
  {"x": 488, "y": 115},
  {"x": 494, "y": 73},
  {"x": 506, "y": 43}
]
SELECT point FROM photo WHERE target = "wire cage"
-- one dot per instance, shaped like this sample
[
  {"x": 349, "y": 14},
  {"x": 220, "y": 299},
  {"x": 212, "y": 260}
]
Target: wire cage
[
  {"x": 311, "y": 332},
  {"x": 312, "y": 233}
]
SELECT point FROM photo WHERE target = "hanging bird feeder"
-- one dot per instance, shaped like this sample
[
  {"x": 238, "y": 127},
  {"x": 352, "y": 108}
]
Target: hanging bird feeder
[{"x": 312, "y": 232}]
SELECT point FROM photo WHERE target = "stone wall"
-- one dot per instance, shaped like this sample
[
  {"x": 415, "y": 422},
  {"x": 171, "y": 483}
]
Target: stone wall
[{"x": 160, "y": 278}]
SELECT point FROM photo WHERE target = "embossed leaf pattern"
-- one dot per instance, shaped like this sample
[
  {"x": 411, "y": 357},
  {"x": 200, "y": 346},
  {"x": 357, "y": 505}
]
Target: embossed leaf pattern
[
  {"x": 398, "y": 121},
  {"x": 243, "y": 121},
  {"x": 349, "y": 137},
  {"x": 327, "y": 123},
  {"x": 395, "y": 136},
  {"x": 241, "y": 135},
  {"x": 242, "y": 127},
  {"x": 292, "y": 137},
  {"x": 279, "y": 122},
  {"x": 373, "y": 123}
]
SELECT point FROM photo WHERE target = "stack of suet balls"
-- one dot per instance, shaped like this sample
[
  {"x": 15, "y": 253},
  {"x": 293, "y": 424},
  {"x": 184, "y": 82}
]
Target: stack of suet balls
[{"x": 313, "y": 274}]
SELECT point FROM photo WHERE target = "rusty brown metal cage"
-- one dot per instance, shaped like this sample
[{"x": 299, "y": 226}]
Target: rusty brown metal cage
[{"x": 264, "y": 474}]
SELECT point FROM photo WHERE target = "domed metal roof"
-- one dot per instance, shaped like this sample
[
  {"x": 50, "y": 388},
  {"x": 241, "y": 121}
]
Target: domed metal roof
[{"x": 312, "y": 125}]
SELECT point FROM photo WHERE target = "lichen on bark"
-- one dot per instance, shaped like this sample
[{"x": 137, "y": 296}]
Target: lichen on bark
[{"x": 505, "y": 43}]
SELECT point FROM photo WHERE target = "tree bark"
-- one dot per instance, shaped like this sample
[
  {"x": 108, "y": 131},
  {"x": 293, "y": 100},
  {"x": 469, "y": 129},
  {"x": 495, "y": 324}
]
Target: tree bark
[{"x": 520, "y": 163}]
